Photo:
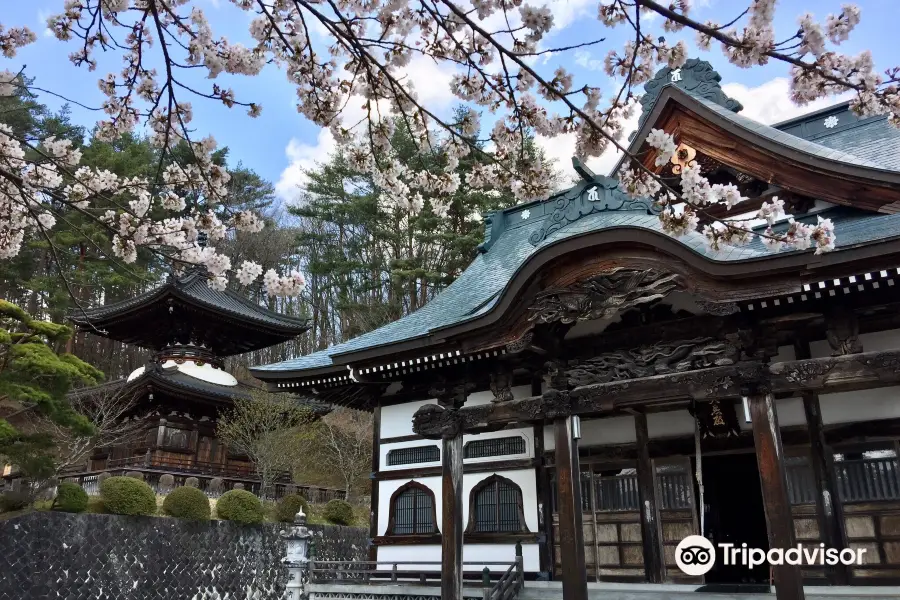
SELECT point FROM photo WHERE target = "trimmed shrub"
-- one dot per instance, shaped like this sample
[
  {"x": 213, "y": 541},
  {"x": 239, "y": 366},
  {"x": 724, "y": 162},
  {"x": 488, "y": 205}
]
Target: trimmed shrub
[
  {"x": 192, "y": 482},
  {"x": 240, "y": 506},
  {"x": 70, "y": 497},
  {"x": 338, "y": 512},
  {"x": 289, "y": 506},
  {"x": 187, "y": 503},
  {"x": 127, "y": 496},
  {"x": 14, "y": 500},
  {"x": 166, "y": 483}
]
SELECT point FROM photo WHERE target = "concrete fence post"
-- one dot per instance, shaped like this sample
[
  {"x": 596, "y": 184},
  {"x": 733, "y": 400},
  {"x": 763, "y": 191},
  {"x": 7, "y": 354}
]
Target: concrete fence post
[
  {"x": 486, "y": 583},
  {"x": 298, "y": 557}
]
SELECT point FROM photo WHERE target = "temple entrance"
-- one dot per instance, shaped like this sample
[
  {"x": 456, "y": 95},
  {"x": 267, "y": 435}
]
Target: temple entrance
[{"x": 735, "y": 514}]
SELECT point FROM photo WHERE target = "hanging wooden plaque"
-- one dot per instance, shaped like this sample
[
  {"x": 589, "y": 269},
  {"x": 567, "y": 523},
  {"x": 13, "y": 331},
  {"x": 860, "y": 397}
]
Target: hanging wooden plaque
[{"x": 717, "y": 419}]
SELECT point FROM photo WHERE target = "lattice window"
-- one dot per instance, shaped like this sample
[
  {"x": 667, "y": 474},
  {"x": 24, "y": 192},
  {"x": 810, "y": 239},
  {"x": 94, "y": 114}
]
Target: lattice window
[
  {"x": 413, "y": 455},
  {"x": 412, "y": 511},
  {"x": 495, "y": 506},
  {"x": 494, "y": 447}
]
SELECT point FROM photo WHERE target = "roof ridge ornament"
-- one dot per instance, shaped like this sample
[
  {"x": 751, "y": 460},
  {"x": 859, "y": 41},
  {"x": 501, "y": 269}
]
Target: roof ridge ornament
[
  {"x": 696, "y": 77},
  {"x": 594, "y": 194}
]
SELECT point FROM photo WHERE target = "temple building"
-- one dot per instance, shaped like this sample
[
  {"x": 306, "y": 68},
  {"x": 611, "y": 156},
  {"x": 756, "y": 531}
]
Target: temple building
[
  {"x": 598, "y": 390},
  {"x": 190, "y": 329}
]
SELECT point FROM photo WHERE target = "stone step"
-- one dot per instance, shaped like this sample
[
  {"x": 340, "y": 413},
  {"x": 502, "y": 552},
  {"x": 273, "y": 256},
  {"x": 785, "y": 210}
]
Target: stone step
[{"x": 641, "y": 591}]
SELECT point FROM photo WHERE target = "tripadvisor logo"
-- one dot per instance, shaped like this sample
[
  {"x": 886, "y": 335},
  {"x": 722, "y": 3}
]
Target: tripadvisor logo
[{"x": 696, "y": 555}]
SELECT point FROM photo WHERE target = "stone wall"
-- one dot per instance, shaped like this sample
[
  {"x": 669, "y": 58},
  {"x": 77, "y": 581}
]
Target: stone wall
[{"x": 107, "y": 557}]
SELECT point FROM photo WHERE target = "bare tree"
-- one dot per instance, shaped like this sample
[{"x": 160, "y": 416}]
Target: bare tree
[
  {"x": 261, "y": 428},
  {"x": 109, "y": 410},
  {"x": 347, "y": 444}
]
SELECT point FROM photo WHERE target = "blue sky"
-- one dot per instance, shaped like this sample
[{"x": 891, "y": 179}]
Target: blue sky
[{"x": 281, "y": 142}]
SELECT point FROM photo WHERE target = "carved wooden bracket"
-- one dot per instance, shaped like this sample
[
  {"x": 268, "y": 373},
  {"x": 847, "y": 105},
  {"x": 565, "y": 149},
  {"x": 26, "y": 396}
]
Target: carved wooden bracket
[
  {"x": 843, "y": 332},
  {"x": 603, "y": 296},
  {"x": 501, "y": 385},
  {"x": 451, "y": 394}
]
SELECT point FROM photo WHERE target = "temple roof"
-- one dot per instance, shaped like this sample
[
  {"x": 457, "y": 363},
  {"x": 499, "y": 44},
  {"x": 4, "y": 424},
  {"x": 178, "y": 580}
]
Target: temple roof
[
  {"x": 171, "y": 382},
  {"x": 849, "y": 148},
  {"x": 186, "y": 310}
]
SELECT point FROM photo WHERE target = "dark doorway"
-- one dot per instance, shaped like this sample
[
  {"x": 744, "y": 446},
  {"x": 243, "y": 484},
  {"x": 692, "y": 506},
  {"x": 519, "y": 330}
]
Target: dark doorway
[{"x": 735, "y": 514}]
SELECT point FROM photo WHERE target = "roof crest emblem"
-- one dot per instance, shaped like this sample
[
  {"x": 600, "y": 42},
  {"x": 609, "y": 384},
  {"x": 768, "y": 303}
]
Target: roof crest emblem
[{"x": 594, "y": 194}]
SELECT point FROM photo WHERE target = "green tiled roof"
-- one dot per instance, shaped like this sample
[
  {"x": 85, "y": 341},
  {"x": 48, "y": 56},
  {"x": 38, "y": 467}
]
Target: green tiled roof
[
  {"x": 869, "y": 138},
  {"x": 516, "y": 233},
  {"x": 479, "y": 286}
]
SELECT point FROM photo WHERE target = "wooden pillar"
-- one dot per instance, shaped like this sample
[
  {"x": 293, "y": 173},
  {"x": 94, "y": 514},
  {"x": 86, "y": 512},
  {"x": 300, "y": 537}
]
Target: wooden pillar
[
  {"x": 452, "y": 517},
  {"x": 376, "y": 462},
  {"x": 773, "y": 479},
  {"x": 571, "y": 530},
  {"x": 829, "y": 510},
  {"x": 651, "y": 530},
  {"x": 542, "y": 484}
]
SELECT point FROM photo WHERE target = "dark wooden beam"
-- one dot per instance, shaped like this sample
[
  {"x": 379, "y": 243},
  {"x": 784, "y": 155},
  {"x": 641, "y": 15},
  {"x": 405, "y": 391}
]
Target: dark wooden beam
[
  {"x": 376, "y": 461},
  {"x": 571, "y": 529},
  {"x": 651, "y": 530},
  {"x": 830, "y": 374},
  {"x": 773, "y": 479}
]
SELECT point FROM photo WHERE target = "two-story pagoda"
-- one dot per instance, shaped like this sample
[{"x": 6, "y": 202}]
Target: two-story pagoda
[
  {"x": 598, "y": 390},
  {"x": 190, "y": 329}
]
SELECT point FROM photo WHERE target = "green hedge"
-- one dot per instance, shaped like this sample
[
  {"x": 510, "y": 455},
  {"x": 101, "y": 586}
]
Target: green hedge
[
  {"x": 240, "y": 506},
  {"x": 289, "y": 506},
  {"x": 338, "y": 512},
  {"x": 14, "y": 500},
  {"x": 127, "y": 496},
  {"x": 187, "y": 503},
  {"x": 70, "y": 497}
]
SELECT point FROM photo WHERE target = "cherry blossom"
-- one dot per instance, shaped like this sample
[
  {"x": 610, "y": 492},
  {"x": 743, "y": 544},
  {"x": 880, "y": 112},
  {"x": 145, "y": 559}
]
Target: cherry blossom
[{"x": 355, "y": 53}]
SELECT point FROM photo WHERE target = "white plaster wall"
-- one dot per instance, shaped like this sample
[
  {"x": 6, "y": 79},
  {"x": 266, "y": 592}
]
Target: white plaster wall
[
  {"x": 396, "y": 420},
  {"x": 864, "y": 405},
  {"x": 526, "y": 433},
  {"x": 476, "y": 553},
  {"x": 620, "y": 430},
  {"x": 871, "y": 342},
  {"x": 524, "y": 478},
  {"x": 668, "y": 424},
  {"x": 784, "y": 353}
]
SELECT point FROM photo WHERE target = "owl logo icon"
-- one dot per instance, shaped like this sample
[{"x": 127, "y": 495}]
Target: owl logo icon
[{"x": 695, "y": 555}]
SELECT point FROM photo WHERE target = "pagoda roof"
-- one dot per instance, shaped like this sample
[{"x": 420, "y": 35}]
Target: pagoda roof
[
  {"x": 172, "y": 382},
  {"x": 860, "y": 152},
  {"x": 186, "y": 310}
]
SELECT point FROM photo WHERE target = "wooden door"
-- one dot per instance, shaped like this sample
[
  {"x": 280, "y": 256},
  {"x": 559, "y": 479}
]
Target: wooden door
[{"x": 206, "y": 450}]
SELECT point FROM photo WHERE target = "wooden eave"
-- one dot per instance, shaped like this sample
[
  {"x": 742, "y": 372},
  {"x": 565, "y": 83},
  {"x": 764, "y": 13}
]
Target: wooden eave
[{"x": 697, "y": 125}]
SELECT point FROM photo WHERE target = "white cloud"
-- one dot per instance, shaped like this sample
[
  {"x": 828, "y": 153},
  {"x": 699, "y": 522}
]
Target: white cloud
[
  {"x": 42, "y": 17},
  {"x": 770, "y": 102},
  {"x": 302, "y": 157},
  {"x": 585, "y": 59},
  {"x": 562, "y": 148}
]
